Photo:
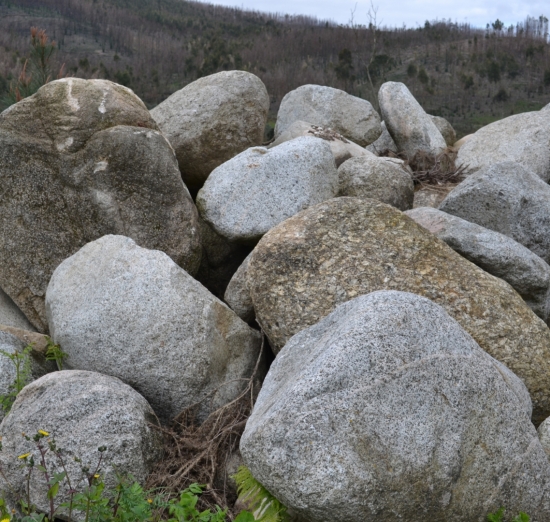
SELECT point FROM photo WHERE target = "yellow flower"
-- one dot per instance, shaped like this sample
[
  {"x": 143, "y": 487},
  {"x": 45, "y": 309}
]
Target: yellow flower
[
  {"x": 150, "y": 500},
  {"x": 24, "y": 456},
  {"x": 5, "y": 520},
  {"x": 96, "y": 476},
  {"x": 44, "y": 433}
]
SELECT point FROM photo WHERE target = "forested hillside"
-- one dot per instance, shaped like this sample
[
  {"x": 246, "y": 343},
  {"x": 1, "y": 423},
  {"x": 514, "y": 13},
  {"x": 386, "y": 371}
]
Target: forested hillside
[{"x": 470, "y": 76}]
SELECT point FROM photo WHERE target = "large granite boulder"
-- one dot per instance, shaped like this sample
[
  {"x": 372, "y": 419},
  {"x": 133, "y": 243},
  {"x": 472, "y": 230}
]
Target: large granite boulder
[
  {"x": 129, "y": 312},
  {"x": 237, "y": 295},
  {"x": 256, "y": 190},
  {"x": 78, "y": 160},
  {"x": 10, "y": 315},
  {"x": 388, "y": 410},
  {"x": 384, "y": 143},
  {"x": 521, "y": 138},
  {"x": 446, "y": 129},
  {"x": 386, "y": 179},
  {"x": 496, "y": 253},
  {"x": 352, "y": 117},
  {"x": 408, "y": 124},
  {"x": 213, "y": 119},
  {"x": 82, "y": 411},
  {"x": 509, "y": 199},
  {"x": 341, "y": 148},
  {"x": 342, "y": 248}
]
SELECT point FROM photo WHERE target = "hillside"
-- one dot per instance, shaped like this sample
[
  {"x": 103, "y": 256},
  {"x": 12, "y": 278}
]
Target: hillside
[{"x": 470, "y": 76}]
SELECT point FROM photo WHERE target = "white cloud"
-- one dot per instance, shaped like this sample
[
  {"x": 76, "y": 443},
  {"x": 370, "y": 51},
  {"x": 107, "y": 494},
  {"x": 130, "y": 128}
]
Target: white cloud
[{"x": 395, "y": 13}]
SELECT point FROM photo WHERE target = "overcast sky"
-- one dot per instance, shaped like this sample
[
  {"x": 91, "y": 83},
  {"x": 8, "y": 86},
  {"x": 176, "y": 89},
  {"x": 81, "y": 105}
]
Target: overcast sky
[{"x": 398, "y": 12}]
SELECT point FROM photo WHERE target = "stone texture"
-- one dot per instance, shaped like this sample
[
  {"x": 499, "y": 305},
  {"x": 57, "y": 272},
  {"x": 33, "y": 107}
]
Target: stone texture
[
  {"x": 407, "y": 122},
  {"x": 220, "y": 260},
  {"x": 383, "y": 143},
  {"x": 445, "y": 128},
  {"x": 251, "y": 193},
  {"x": 237, "y": 295},
  {"x": 391, "y": 403},
  {"x": 354, "y": 118},
  {"x": 543, "y": 432},
  {"x": 342, "y": 248},
  {"x": 78, "y": 160},
  {"x": 495, "y": 253},
  {"x": 10, "y": 315},
  {"x": 213, "y": 119},
  {"x": 522, "y": 138},
  {"x": 385, "y": 179},
  {"x": 431, "y": 195},
  {"x": 341, "y": 148},
  {"x": 82, "y": 410},
  {"x": 132, "y": 313},
  {"x": 462, "y": 141},
  {"x": 509, "y": 199}
]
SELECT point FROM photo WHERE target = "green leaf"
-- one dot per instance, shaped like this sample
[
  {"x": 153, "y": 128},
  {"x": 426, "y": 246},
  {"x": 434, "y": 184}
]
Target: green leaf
[
  {"x": 522, "y": 517},
  {"x": 52, "y": 492},
  {"x": 245, "y": 516},
  {"x": 496, "y": 517}
]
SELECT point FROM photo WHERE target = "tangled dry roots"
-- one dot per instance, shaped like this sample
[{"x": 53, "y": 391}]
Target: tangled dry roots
[{"x": 198, "y": 453}]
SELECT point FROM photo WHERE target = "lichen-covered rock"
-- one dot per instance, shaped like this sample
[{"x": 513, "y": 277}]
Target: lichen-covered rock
[
  {"x": 388, "y": 410},
  {"x": 385, "y": 179},
  {"x": 384, "y": 143},
  {"x": 521, "y": 138},
  {"x": 213, "y": 119},
  {"x": 496, "y": 253},
  {"x": 509, "y": 199},
  {"x": 10, "y": 315},
  {"x": 408, "y": 124},
  {"x": 78, "y": 160},
  {"x": 446, "y": 129},
  {"x": 83, "y": 411},
  {"x": 132, "y": 313},
  {"x": 352, "y": 117},
  {"x": 256, "y": 190},
  {"x": 341, "y": 148},
  {"x": 342, "y": 248},
  {"x": 237, "y": 295}
]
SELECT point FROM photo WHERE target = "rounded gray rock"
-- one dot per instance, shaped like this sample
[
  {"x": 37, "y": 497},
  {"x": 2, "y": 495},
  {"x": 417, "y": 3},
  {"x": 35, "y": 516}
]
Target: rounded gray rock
[
  {"x": 82, "y": 411},
  {"x": 496, "y": 253},
  {"x": 213, "y": 119},
  {"x": 384, "y": 143},
  {"x": 352, "y": 117},
  {"x": 446, "y": 129},
  {"x": 385, "y": 179},
  {"x": 506, "y": 198},
  {"x": 521, "y": 138},
  {"x": 388, "y": 410},
  {"x": 237, "y": 295},
  {"x": 129, "y": 312},
  {"x": 256, "y": 190},
  {"x": 78, "y": 160},
  {"x": 408, "y": 124}
]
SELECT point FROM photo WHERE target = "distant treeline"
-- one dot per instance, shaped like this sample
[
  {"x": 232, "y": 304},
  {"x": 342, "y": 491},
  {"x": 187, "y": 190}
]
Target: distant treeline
[{"x": 471, "y": 76}]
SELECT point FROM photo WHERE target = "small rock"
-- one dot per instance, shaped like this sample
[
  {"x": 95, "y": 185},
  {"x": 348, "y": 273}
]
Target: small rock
[
  {"x": 495, "y": 253},
  {"x": 431, "y": 195},
  {"x": 385, "y": 179},
  {"x": 251, "y": 193},
  {"x": 354, "y": 118},
  {"x": 213, "y": 119},
  {"x": 509, "y": 199},
  {"x": 395, "y": 406},
  {"x": 408, "y": 124},
  {"x": 521, "y": 138},
  {"x": 132, "y": 313},
  {"x": 237, "y": 295},
  {"x": 446, "y": 129},
  {"x": 342, "y": 148},
  {"x": 82, "y": 411},
  {"x": 384, "y": 143}
]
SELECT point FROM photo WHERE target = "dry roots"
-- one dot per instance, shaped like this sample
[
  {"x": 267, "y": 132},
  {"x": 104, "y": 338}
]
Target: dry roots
[{"x": 197, "y": 453}]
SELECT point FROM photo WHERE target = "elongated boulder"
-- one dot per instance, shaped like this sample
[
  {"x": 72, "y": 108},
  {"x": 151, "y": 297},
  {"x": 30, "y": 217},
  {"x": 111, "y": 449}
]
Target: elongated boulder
[
  {"x": 388, "y": 410},
  {"x": 446, "y": 129},
  {"x": 352, "y": 117},
  {"x": 213, "y": 119},
  {"x": 78, "y": 160},
  {"x": 408, "y": 124},
  {"x": 496, "y": 253},
  {"x": 342, "y": 248},
  {"x": 82, "y": 411},
  {"x": 384, "y": 143},
  {"x": 509, "y": 199},
  {"x": 256, "y": 190},
  {"x": 521, "y": 138},
  {"x": 129, "y": 312}
]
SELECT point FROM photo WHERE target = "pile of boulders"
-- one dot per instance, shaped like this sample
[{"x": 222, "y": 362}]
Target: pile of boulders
[{"x": 410, "y": 344}]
